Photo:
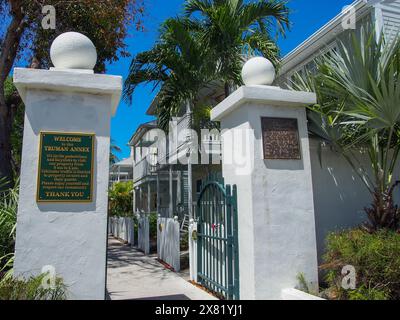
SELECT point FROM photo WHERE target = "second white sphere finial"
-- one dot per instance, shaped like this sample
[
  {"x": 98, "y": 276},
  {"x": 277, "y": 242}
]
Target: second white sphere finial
[
  {"x": 73, "y": 50},
  {"x": 258, "y": 71}
]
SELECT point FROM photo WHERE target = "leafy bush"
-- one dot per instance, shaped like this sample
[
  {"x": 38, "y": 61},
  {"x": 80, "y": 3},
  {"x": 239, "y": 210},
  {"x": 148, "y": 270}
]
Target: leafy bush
[
  {"x": 184, "y": 243},
  {"x": 153, "y": 225},
  {"x": 8, "y": 220},
  {"x": 31, "y": 289},
  {"x": 121, "y": 199},
  {"x": 376, "y": 258}
]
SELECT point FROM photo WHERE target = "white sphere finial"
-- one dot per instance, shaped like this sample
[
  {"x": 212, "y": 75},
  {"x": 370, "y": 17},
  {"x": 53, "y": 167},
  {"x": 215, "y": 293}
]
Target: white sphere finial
[
  {"x": 73, "y": 50},
  {"x": 258, "y": 71}
]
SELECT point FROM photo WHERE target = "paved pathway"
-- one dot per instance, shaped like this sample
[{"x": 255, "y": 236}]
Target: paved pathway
[{"x": 132, "y": 275}]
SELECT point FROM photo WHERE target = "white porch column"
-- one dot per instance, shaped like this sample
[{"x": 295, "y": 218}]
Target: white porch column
[
  {"x": 134, "y": 200},
  {"x": 148, "y": 197},
  {"x": 67, "y": 132},
  {"x": 171, "y": 193},
  {"x": 266, "y": 154},
  {"x": 158, "y": 194},
  {"x": 141, "y": 207}
]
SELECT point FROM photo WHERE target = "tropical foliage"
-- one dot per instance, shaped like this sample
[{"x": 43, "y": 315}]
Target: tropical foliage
[
  {"x": 114, "y": 150},
  {"x": 234, "y": 29},
  {"x": 8, "y": 220},
  {"x": 121, "y": 199},
  {"x": 23, "y": 39},
  {"x": 177, "y": 63},
  {"x": 376, "y": 258},
  {"x": 18, "y": 112},
  {"x": 358, "y": 89},
  {"x": 32, "y": 289},
  {"x": 205, "y": 46}
]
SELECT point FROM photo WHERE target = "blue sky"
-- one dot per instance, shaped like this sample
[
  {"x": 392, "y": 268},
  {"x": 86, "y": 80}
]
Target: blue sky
[{"x": 306, "y": 17}]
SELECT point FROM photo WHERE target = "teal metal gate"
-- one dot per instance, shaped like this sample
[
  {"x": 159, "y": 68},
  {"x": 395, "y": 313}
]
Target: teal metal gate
[{"x": 217, "y": 238}]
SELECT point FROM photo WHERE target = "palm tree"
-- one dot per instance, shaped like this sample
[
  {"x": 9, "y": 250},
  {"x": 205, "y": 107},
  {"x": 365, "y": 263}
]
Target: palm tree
[
  {"x": 178, "y": 64},
  {"x": 234, "y": 28},
  {"x": 114, "y": 149},
  {"x": 191, "y": 53},
  {"x": 358, "y": 88}
]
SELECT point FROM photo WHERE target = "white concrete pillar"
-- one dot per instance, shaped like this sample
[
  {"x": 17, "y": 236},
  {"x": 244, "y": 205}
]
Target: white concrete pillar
[
  {"x": 57, "y": 227},
  {"x": 276, "y": 222}
]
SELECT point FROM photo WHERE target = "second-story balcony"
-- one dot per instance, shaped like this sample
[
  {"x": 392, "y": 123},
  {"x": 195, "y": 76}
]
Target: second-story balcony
[
  {"x": 180, "y": 139},
  {"x": 144, "y": 168}
]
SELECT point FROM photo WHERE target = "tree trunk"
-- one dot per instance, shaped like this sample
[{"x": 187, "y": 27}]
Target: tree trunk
[
  {"x": 9, "y": 49},
  {"x": 227, "y": 89},
  {"x": 5, "y": 146}
]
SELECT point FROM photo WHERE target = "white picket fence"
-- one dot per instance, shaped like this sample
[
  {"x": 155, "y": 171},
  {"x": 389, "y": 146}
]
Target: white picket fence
[
  {"x": 144, "y": 233},
  {"x": 122, "y": 228},
  {"x": 168, "y": 242}
]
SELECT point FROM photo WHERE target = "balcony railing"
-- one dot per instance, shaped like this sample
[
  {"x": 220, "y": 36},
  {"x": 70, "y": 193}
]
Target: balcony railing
[
  {"x": 144, "y": 168},
  {"x": 178, "y": 139}
]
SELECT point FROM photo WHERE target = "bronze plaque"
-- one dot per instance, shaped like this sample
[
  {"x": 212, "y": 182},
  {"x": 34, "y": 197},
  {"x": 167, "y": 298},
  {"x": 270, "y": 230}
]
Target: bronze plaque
[{"x": 281, "y": 139}]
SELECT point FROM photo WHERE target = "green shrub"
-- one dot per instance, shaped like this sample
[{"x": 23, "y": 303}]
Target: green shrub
[
  {"x": 121, "y": 199},
  {"x": 8, "y": 220},
  {"x": 31, "y": 289},
  {"x": 153, "y": 225},
  {"x": 376, "y": 258},
  {"x": 184, "y": 243}
]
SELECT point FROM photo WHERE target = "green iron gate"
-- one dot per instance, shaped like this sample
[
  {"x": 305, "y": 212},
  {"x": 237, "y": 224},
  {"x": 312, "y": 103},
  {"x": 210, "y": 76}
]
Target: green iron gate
[{"x": 217, "y": 238}]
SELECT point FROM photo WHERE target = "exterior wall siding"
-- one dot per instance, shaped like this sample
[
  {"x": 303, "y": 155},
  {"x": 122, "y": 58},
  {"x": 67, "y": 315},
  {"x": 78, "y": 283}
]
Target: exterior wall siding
[{"x": 391, "y": 19}]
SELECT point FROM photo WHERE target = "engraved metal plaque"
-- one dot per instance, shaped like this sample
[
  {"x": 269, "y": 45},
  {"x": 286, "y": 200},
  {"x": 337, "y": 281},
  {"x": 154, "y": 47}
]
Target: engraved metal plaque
[
  {"x": 281, "y": 139},
  {"x": 65, "y": 167}
]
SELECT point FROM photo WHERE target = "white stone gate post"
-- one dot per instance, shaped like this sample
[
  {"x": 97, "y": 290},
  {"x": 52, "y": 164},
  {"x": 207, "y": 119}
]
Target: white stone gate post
[
  {"x": 62, "y": 214},
  {"x": 266, "y": 154}
]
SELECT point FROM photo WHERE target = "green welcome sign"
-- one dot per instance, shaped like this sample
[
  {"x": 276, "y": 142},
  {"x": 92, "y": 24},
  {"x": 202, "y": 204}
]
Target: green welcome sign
[{"x": 65, "y": 167}]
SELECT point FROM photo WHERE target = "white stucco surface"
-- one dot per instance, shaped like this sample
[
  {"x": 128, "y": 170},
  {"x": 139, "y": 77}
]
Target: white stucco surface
[
  {"x": 297, "y": 295},
  {"x": 339, "y": 194},
  {"x": 70, "y": 237},
  {"x": 69, "y": 81},
  {"x": 277, "y": 238}
]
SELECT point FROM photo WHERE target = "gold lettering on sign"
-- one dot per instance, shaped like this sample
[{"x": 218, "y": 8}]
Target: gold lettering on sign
[{"x": 66, "y": 163}]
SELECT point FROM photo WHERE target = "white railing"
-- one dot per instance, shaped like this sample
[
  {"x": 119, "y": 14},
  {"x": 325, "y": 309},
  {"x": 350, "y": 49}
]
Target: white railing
[
  {"x": 168, "y": 242},
  {"x": 143, "y": 168},
  {"x": 176, "y": 141},
  {"x": 178, "y": 136}
]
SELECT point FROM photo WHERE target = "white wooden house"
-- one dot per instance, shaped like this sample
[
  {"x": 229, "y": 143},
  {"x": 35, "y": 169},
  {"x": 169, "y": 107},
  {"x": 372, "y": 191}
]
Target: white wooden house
[
  {"x": 384, "y": 16},
  {"x": 339, "y": 197}
]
